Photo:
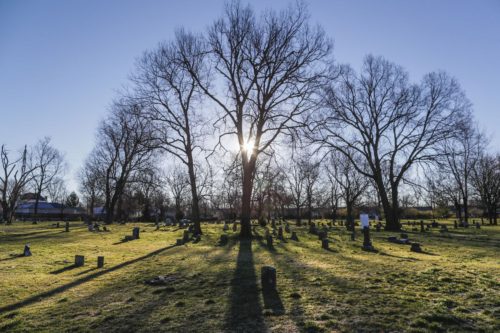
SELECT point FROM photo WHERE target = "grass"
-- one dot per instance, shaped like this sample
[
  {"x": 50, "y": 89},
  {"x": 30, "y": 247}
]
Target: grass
[{"x": 453, "y": 286}]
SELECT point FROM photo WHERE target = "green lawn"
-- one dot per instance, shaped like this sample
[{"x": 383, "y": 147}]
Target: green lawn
[{"x": 453, "y": 286}]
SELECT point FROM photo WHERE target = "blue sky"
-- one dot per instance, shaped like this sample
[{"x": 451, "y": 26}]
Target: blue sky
[{"x": 61, "y": 62}]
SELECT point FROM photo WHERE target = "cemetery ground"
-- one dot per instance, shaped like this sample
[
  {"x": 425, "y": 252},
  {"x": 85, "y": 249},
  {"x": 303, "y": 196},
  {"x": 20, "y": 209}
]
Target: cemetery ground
[{"x": 453, "y": 286}]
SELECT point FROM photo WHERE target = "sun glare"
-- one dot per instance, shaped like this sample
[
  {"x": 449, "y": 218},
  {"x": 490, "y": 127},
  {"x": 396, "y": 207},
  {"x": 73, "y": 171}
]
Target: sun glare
[{"x": 249, "y": 146}]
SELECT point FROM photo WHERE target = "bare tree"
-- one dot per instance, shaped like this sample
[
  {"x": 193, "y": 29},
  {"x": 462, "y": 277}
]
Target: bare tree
[
  {"x": 352, "y": 184},
  {"x": 486, "y": 181},
  {"x": 123, "y": 150},
  {"x": 173, "y": 105},
  {"x": 178, "y": 183},
  {"x": 380, "y": 118},
  {"x": 15, "y": 175},
  {"x": 459, "y": 155},
  {"x": 58, "y": 194},
  {"x": 270, "y": 69},
  {"x": 48, "y": 167},
  {"x": 296, "y": 187},
  {"x": 91, "y": 182}
]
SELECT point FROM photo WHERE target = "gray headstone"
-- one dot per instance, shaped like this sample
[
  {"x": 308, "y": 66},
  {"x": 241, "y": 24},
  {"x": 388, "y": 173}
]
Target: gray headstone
[{"x": 79, "y": 260}]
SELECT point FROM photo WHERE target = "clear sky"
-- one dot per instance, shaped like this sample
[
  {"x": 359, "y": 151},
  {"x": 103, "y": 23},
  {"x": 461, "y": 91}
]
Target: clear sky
[{"x": 61, "y": 62}]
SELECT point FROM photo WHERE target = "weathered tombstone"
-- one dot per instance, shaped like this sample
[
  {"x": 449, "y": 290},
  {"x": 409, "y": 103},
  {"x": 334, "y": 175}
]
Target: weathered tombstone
[
  {"x": 294, "y": 236},
  {"x": 27, "y": 251},
  {"x": 367, "y": 244},
  {"x": 325, "y": 243},
  {"x": 341, "y": 223},
  {"x": 67, "y": 226},
  {"x": 235, "y": 227},
  {"x": 415, "y": 247},
  {"x": 280, "y": 233},
  {"x": 179, "y": 241},
  {"x": 422, "y": 226},
  {"x": 157, "y": 226},
  {"x": 287, "y": 228},
  {"x": 268, "y": 277},
  {"x": 427, "y": 227},
  {"x": 79, "y": 260},
  {"x": 185, "y": 236},
  {"x": 100, "y": 262},
  {"x": 269, "y": 240},
  {"x": 135, "y": 233},
  {"x": 478, "y": 226},
  {"x": 312, "y": 228},
  {"x": 90, "y": 227},
  {"x": 455, "y": 224},
  {"x": 226, "y": 227}
]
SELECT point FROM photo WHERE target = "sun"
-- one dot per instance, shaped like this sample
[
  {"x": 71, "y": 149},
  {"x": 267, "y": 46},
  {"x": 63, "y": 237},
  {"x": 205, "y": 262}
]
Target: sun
[{"x": 249, "y": 146}]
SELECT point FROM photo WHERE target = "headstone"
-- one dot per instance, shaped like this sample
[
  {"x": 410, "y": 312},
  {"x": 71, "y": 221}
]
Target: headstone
[
  {"x": 273, "y": 223},
  {"x": 235, "y": 227},
  {"x": 185, "y": 236},
  {"x": 135, "y": 232},
  {"x": 226, "y": 227},
  {"x": 27, "y": 251},
  {"x": 79, "y": 260},
  {"x": 415, "y": 247},
  {"x": 268, "y": 277},
  {"x": 455, "y": 224},
  {"x": 90, "y": 227},
  {"x": 57, "y": 225},
  {"x": 312, "y": 229},
  {"x": 280, "y": 233},
  {"x": 325, "y": 243},
  {"x": 287, "y": 228},
  {"x": 100, "y": 262},
  {"x": 478, "y": 226},
  {"x": 294, "y": 236},
  {"x": 67, "y": 226},
  {"x": 341, "y": 223},
  {"x": 422, "y": 226},
  {"x": 269, "y": 241},
  {"x": 367, "y": 244}
]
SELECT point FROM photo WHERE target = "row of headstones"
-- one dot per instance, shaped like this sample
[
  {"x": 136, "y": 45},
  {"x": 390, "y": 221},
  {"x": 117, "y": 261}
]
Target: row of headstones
[{"x": 80, "y": 261}]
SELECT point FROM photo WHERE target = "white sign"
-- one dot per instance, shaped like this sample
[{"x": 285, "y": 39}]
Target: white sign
[{"x": 365, "y": 221}]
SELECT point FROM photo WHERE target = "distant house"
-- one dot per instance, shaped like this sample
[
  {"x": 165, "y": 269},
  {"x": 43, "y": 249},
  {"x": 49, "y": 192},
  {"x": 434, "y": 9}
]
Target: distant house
[{"x": 26, "y": 208}]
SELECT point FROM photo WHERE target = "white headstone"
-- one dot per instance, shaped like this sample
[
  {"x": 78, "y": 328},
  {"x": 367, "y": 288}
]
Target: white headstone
[{"x": 365, "y": 220}]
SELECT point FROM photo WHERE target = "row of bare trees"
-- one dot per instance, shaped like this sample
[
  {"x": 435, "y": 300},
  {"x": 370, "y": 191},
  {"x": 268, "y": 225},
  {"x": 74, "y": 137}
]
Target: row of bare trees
[{"x": 268, "y": 81}]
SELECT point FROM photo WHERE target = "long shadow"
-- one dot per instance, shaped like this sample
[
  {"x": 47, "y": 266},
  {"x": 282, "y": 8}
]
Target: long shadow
[
  {"x": 64, "y": 269},
  {"x": 77, "y": 282},
  {"x": 12, "y": 257},
  {"x": 245, "y": 311}
]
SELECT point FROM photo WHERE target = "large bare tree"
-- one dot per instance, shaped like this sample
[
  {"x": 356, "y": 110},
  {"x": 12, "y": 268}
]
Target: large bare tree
[
  {"x": 266, "y": 71},
  {"x": 173, "y": 105},
  {"x": 380, "y": 118}
]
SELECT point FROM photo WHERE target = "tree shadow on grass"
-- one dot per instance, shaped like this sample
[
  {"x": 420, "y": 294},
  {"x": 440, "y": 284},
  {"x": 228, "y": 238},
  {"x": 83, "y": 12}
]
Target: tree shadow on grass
[
  {"x": 12, "y": 257},
  {"x": 245, "y": 310},
  {"x": 60, "y": 289}
]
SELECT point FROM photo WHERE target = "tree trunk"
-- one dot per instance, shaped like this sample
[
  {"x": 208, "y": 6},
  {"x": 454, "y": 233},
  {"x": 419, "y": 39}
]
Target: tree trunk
[
  {"x": 195, "y": 204},
  {"x": 247, "y": 187}
]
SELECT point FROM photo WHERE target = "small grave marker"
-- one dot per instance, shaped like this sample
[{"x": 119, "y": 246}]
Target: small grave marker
[
  {"x": 294, "y": 236},
  {"x": 325, "y": 244},
  {"x": 79, "y": 260},
  {"x": 268, "y": 277},
  {"x": 135, "y": 233},
  {"x": 100, "y": 262},
  {"x": 27, "y": 251}
]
